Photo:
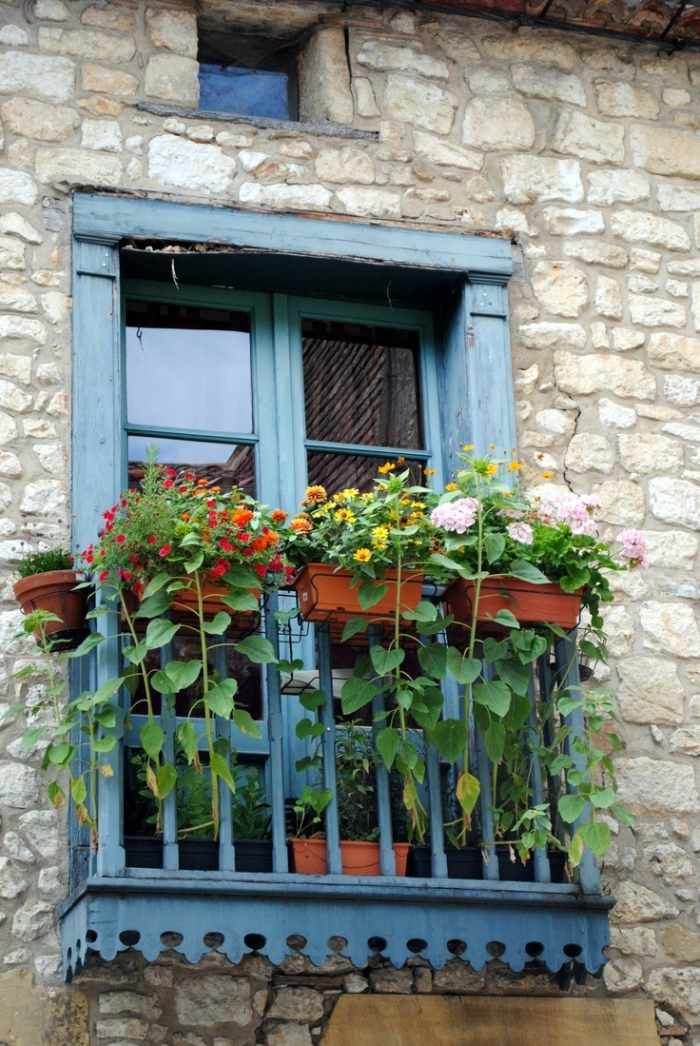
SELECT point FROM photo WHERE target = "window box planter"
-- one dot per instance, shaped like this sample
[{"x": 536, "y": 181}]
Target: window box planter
[
  {"x": 252, "y": 855},
  {"x": 54, "y": 591},
  {"x": 531, "y": 604},
  {"x": 468, "y": 864},
  {"x": 358, "y": 858},
  {"x": 327, "y": 594},
  {"x": 184, "y": 603}
]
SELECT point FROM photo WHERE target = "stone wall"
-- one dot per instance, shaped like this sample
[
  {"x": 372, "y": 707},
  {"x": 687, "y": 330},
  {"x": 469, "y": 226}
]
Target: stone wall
[{"x": 586, "y": 153}]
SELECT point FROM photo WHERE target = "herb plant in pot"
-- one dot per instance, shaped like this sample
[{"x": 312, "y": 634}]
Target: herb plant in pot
[
  {"x": 49, "y": 583},
  {"x": 357, "y": 817}
]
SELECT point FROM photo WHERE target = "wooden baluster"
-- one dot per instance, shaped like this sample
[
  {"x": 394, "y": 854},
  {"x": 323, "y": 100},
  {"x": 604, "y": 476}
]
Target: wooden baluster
[
  {"x": 483, "y": 763},
  {"x": 280, "y": 862},
  {"x": 325, "y": 672},
  {"x": 542, "y": 869},
  {"x": 171, "y": 850},
  {"x": 227, "y": 852},
  {"x": 387, "y": 861}
]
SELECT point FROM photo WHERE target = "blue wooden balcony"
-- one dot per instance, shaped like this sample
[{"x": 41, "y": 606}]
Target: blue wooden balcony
[{"x": 115, "y": 905}]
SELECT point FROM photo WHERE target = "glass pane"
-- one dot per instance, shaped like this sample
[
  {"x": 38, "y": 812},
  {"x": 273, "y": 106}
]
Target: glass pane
[
  {"x": 188, "y": 367},
  {"x": 337, "y": 471},
  {"x": 361, "y": 384},
  {"x": 248, "y": 92},
  {"x": 224, "y": 464}
]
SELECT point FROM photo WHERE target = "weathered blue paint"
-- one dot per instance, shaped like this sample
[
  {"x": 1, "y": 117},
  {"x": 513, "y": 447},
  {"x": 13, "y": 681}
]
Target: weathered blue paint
[
  {"x": 387, "y": 859},
  {"x": 331, "y": 821},
  {"x": 438, "y": 911},
  {"x": 171, "y": 852},
  {"x": 543, "y": 872}
]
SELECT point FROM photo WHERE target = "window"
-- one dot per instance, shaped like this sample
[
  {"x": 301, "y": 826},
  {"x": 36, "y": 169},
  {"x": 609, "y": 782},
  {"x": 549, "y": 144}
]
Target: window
[
  {"x": 274, "y": 389},
  {"x": 247, "y": 75}
]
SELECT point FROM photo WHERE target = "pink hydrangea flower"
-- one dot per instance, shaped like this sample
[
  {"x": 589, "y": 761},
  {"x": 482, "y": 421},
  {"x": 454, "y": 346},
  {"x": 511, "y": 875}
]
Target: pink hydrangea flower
[
  {"x": 457, "y": 516},
  {"x": 634, "y": 547},
  {"x": 521, "y": 532},
  {"x": 576, "y": 512}
]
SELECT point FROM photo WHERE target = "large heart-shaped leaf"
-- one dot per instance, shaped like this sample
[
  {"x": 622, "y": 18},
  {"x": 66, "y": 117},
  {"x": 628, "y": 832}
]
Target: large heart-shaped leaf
[
  {"x": 356, "y": 693},
  {"x": 494, "y": 695},
  {"x": 151, "y": 737},
  {"x": 220, "y": 697},
  {"x": 464, "y": 669},
  {"x": 258, "y": 650},
  {"x": 385, "y": 661},
  {"x": 160, "y": 632}
]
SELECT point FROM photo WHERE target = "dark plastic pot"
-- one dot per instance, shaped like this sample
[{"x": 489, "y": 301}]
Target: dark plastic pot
[
  {"x": 468, "y": 864},
  {"x": 252, "y": 855}
]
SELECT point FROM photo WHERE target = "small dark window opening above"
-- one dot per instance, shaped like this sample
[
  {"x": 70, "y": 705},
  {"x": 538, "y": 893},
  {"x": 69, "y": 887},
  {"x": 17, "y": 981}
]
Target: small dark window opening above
[{"x": 248, "y": 75}]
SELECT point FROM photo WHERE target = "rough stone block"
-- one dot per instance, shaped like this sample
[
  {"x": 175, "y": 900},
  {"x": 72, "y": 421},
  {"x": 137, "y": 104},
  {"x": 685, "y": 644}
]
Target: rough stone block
[
  {"x": 173, "y": 78},
  {"x": 42, "y": 75},
  {"x": 419, "y": 103}
]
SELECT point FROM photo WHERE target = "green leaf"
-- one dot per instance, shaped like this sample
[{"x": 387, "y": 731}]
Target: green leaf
[
  {"x": 160, "y": 632},
  {"x": 494, "y": 544},
  {"x": 245, "y": 722},
  {"x": 221, "y": 767},
  {"x": 449, "y": 737},
  {"x": 425, "y": 613},
  {"x": 495, "y": 695},
  {"x": 317, "y": 798},
  {"x": 370, "y": 592},
  {"x": 516, "y": 675},
  {"x": 520, "y": 568},
  {"x": 156, "y": 583},
  {"x": 602, "y": 799},
  {"x": 166, "y": 779},
  {"x": 88, "y": 644},
  {"x": 187, "y": 738},
  {"x": 575, "y": 850},
  {"x": 59, "y": 754},
  {"x": 190, "y": 539},
  {"x": 575, "y": 578},
  {"x": 154, "y": 606},
  {"x": 385, "y": 661},
  {"x": 182, "y": 673},
  {"x": 312, "y": 699},
  {"x": 135, "y": 654},
  {"x": 151, "y": 737},
  {"x": 192, "y": 565},
  {"x": 107, "y": 717},
  {"x": 433, "y": 659},
  {"x": 571, "y": 807},
  {"x": 78, "y": 790},
  {"x": 467, "y": 792},
  {"x": 387, "y": 742},
  {"x": 107, "y": 691},
  {"x": 218, "y": 625},
  {"x": 258, "y": 650},
  {"x": 596, "y": 836},
  {"x": 242, "y": 601},
  {"x": 453, "y": 568},
  {"x": 505, "y": 618},
  {"x": 306, "y": 728},
  {"x": 242, "y": 577},
  {"x": 162, "y": 682},
  {"x": 464, "y": 669},
  {"x": 353, "y": 627},
  {"x": 356, "y": 693},
  {"x": 104, "y": 744},
  {"x": 220, "y": 698},
  {"x": 494, "y": 741}
]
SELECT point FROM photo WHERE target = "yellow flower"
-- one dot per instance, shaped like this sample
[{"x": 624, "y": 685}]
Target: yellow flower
[
  {"x": 467, "y": 447},
  {"x": 514, "y": 466},
  {"x": 315, "y": 494},
  {"x": 388, "y": 466},
  {"x": 547, "y": 474},
  {"x": 418, "y": 505},
  {"x": 363, "y": 555},
  {"x": 350, "y": 492},
  {"x": 367, "y": 496},
  {"x": 491, "y": 469},
  {"x": 344, "y": 515},
  {"x": 451, "y": 487},
  {"x": 429, "y": 472},
  {"x": 380, "y": 536},
  {"x": 415, "y": 517}
]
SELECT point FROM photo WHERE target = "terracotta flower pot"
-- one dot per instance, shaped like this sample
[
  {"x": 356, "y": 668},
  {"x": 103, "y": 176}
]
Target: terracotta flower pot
[
  {"x": 54, "y": 591},
  {"x": 325, "y": 594},
  {"x": 531, "y": 604},
  {"x": 185, "y": 599},
  {"x": 357, "y": 857}
]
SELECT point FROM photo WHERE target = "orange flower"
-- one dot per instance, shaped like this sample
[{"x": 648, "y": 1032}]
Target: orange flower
[
  {"x": 302, "y": 525},
  {"x": 272, "y": 537},
  {"x": 278, "y": 515},
  {"x": 185, "y": 516},
  {"x": 241, "y": 516},
  {"x": 315, "y": 495},
  {"x": 259, "y": 544}
]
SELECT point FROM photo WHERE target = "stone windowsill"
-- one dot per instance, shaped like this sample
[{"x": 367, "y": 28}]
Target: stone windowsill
[{"x": 330, "y": 130}]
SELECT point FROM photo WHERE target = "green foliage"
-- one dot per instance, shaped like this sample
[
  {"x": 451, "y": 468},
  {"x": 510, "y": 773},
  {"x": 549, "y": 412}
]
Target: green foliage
[{"x": 43, "y": 562}]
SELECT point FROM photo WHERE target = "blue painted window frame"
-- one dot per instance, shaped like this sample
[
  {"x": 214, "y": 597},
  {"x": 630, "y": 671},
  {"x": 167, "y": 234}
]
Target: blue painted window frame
[{"x": 475, "y": 394}]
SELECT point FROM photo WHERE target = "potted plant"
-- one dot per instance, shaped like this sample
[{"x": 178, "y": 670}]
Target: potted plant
[
  {"x": 355, "y": 778},
  {"x": 360, "y": 552},
  {"x": 49, "y": 583}
]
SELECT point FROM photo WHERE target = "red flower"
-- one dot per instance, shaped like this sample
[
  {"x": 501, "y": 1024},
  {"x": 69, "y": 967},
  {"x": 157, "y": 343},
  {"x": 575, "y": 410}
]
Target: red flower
[
  {"x": 164, "y": 551},
  {"x": 182, "y": 489},
  {"x": 212, "y": 519},
  {"x": 104, "y": 574},
  {"x": 211, "y": 502},
  {"x": 276, "y": 564},
  {"x": 120, "y": 539},
  {"x": 126, "y": 575},
  {"x": 243, "y": 536},
  {"x": 151, "y": 539},
  {"x": 168, "y": 483},
  {"x": 225, "y": 545},
  {"x": 189, "y": 476},
  {"x": 170, "y": 472},
  {"x": 220, "y": 568},
  {"x": 261, "y": 569}
]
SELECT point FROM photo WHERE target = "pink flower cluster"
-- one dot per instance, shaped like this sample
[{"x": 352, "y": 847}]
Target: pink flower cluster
[
  {"x": 457, "y": 516},
  {"x": 521, "y": 532},
  {"x": 576, "y": 512},
  {"x": 634, "y": 547}
]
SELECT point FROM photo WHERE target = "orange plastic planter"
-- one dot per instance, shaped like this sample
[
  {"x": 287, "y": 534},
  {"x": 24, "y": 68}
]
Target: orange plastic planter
[
  {"x": 325, "y": 594},
  {"x": 357, "y": 857},
  {"x": 54, "y": 591},
  {"x": 212, "y": 595},
  {"x": 531, "y": 604}
]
